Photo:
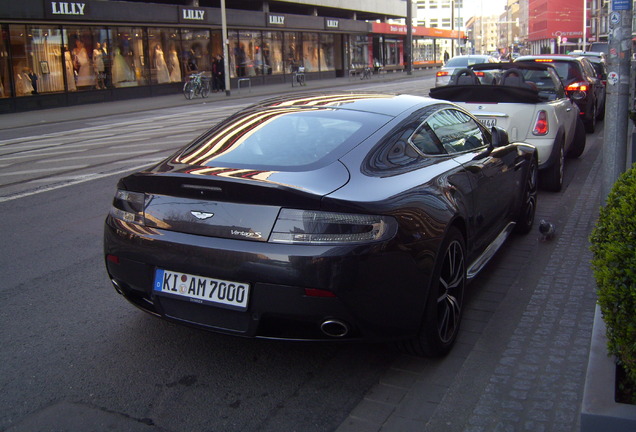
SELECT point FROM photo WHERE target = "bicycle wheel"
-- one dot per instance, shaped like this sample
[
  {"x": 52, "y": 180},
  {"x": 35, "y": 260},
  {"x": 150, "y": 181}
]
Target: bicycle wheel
[
  {"x": 205, "y": 89},
  {"x": 188, "y": 90},
  {"x": 301, "y": 80}
]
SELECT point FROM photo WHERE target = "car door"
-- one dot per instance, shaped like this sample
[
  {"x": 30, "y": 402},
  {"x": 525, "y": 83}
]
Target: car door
[{"x": 491, "y": 171}]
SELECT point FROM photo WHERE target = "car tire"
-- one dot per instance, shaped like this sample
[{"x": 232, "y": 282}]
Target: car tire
[
  {"x": 529, "y": 200},
  {"x": 443, "y": 310},
  {"x": 552, "y": 177},
  {"x": 578, "y": 143}
]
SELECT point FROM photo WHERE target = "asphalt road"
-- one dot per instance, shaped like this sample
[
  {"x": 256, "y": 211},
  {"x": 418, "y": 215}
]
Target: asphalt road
[{"x": 74, "y": 353}]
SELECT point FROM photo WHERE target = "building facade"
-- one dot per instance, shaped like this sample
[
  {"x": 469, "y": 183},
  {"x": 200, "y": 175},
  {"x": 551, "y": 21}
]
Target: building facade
[{"x": 57, "y": 53}]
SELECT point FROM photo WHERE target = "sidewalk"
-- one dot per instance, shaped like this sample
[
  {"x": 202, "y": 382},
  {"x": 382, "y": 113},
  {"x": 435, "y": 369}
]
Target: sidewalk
[{"x": 521, "y": 357}]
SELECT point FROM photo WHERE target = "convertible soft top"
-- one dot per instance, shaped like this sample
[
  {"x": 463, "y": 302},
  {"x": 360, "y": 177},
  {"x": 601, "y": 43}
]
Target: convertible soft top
[{"x": 486, "y": 94}]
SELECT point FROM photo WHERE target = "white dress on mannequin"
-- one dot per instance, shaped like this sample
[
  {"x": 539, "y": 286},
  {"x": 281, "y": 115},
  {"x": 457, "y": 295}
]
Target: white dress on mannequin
[{"x": 162, "y": 68}]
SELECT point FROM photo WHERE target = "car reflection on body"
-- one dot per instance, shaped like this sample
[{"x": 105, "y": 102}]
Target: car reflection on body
[{"x": 323, "y": 217}]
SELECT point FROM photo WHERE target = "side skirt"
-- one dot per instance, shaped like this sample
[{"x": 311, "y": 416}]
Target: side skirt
[{"x": 489, "y": 252}]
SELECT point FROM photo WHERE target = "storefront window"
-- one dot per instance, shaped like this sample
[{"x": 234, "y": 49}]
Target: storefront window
[
  {"x": 128, "y": 60},
  {"x": 196, "y": 56},
  {"x": 5, "y": 81},
  {"x": 359, "y": 51},
  {"x": 393, "y": 51},
  {"x": 36, "y": 60},
  {"x": 165, "y": 66},
  {"x": 292, "y": 49},
  {"x": 311, "y": 46},
  {"x": 84, "y": 65},
  {"x": 273, "y": 53},
  {"x": 327, "y": 52}
]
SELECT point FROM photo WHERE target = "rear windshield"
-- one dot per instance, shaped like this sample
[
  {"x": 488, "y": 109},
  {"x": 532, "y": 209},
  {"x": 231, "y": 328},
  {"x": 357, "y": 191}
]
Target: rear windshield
[
  {"x": 283, "y": 138},
  {"x": 465, "y": 61}
]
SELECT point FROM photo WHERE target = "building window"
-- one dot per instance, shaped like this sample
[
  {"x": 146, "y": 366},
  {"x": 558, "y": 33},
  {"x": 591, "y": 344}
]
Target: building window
[
  {"x": 195, "y": 56},
  {"x": 311, "y": 49},
  {"x": 129, "y": 67},
  {"x": 273, "y": 53},
  {"x": 165, "y": 66},
  {"x": 37, "y": 60},
  {"x": 292, "y": 49},
  {"x": 359, "y": 51},
  {"x": 327, "y": 52}
]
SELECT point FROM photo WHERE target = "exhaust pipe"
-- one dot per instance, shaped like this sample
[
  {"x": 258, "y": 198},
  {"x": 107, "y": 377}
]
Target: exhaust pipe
[
  {"x": 117, "y": 287},
  {"x": 334, "y": 328}
]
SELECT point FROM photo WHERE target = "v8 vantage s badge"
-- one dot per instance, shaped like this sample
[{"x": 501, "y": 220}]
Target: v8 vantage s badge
[
  {"x": 201, "y": 215},
  {"x": 249, "y": 234}
]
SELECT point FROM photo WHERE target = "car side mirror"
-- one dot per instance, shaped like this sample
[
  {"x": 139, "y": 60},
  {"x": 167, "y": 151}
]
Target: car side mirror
[{"x": 499, "y": 137}]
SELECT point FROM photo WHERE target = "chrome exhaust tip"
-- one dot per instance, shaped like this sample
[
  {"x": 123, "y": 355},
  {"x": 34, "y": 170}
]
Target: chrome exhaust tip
[
  {"x": 334, "y": 328},
  {"x": 117, "y": 287}
]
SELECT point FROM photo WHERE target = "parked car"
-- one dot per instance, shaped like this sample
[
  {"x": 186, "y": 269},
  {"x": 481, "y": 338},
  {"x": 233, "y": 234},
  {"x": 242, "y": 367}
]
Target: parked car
[
  {"x": 597, "y": 60},
  {"x": 530, "y": 103},
  {"x": 443, "y": 76},
  {"x": 323, "y": 217},
  {"x": 581, "y": 84}
]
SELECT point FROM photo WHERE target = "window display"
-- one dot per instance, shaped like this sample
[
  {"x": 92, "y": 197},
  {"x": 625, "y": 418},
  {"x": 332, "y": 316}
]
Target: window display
[
  {"x": 196, "y": 56},
  {"x": 327, "y": 52},
  {"x": 292, "y": 51},
  {"x": 165, "y": 66},
  {"x": 273, "y": 53},
  {"x": 310, "y": 52},
  {"x": 36, "y": 60},
  {"x": 5, "y": 83},
  {"x": 128, "y": 61}
]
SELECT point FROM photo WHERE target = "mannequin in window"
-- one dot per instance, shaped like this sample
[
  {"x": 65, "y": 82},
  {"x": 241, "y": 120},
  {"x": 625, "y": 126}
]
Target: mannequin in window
[
  {"x": 173, "y": 65},
  {"x": 68, "y": 67},
  {"x": 98, "y": 65},
  {"x": 121, "y": 71},
  {"x": 82, "y": 65},
  {"x": 163, "y": 76}
]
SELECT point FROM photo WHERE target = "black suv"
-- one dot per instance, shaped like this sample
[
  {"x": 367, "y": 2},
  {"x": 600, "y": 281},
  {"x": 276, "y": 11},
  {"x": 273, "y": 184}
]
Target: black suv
[{"x": 581, "y": 83}]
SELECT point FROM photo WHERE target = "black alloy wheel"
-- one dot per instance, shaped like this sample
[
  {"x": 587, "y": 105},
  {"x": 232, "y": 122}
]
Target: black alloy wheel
[{"x": 443, "y": 311}]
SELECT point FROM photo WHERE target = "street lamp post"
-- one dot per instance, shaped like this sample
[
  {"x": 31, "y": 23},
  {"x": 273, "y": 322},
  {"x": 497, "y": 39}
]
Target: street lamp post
[{"x": 226, "y": 58}]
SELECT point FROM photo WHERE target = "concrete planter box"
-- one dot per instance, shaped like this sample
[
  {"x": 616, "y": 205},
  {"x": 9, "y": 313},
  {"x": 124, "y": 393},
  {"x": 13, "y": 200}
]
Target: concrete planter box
[{"x": 599, "y": 411}]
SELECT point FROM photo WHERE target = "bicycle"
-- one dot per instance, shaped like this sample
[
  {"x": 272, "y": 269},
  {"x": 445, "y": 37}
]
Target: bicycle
[
  {"x": 196, "y": 85},
  {"x": 298, "y": 77},
  {"x": 366, "y": 73}
]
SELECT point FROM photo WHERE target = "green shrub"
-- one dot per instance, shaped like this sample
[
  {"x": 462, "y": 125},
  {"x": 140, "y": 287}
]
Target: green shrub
[{"x": 614, "y": 263}]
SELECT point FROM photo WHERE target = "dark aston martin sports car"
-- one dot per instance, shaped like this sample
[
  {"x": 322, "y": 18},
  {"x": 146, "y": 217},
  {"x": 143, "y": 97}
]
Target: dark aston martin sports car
[{"x": 323, "y": 217}]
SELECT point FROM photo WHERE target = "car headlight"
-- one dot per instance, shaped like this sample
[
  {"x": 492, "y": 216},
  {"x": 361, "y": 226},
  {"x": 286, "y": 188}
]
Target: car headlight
[
  {"x": 318, "y": 227},
  {"x": 128, "y": 206}
]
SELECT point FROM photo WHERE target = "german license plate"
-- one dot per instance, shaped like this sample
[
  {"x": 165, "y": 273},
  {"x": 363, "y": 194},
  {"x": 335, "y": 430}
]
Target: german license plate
[
  {"x": 203, "y": 290},
  {"x": 488, "y": 121}
]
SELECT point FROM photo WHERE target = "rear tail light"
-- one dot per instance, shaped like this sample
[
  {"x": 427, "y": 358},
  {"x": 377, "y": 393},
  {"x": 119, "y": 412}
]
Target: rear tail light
[
  {"x": 128, "y": 206},
  {"x": 317, "y": 227},
  {"x": 441, "y": 73},
  {"x": 480, "y": 74},
  {"x": 541, "y": 124},
  {"x": 577, "y": 90}
]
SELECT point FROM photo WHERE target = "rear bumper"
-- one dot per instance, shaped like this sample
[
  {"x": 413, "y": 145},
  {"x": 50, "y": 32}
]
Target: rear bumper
[{"x": 379, "y": 294}]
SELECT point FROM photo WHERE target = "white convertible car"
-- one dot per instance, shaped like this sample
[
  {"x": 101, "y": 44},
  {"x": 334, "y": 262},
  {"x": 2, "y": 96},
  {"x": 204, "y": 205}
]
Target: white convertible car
[{"x": 530, "y": 103}]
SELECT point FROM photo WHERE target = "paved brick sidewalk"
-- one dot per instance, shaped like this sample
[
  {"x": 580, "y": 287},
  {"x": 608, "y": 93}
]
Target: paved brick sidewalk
[{"x": 521, "y": 358}]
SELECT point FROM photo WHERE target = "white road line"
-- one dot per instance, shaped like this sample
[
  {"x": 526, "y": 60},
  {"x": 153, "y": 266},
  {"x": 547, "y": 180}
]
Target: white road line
[
  {"x": 76, "y": 180},
  {"x": 43, "y": 170}
]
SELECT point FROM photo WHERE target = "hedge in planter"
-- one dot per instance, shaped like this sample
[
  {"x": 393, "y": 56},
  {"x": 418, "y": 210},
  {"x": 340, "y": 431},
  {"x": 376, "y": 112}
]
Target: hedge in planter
[{"x": 614, "y": 264}]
